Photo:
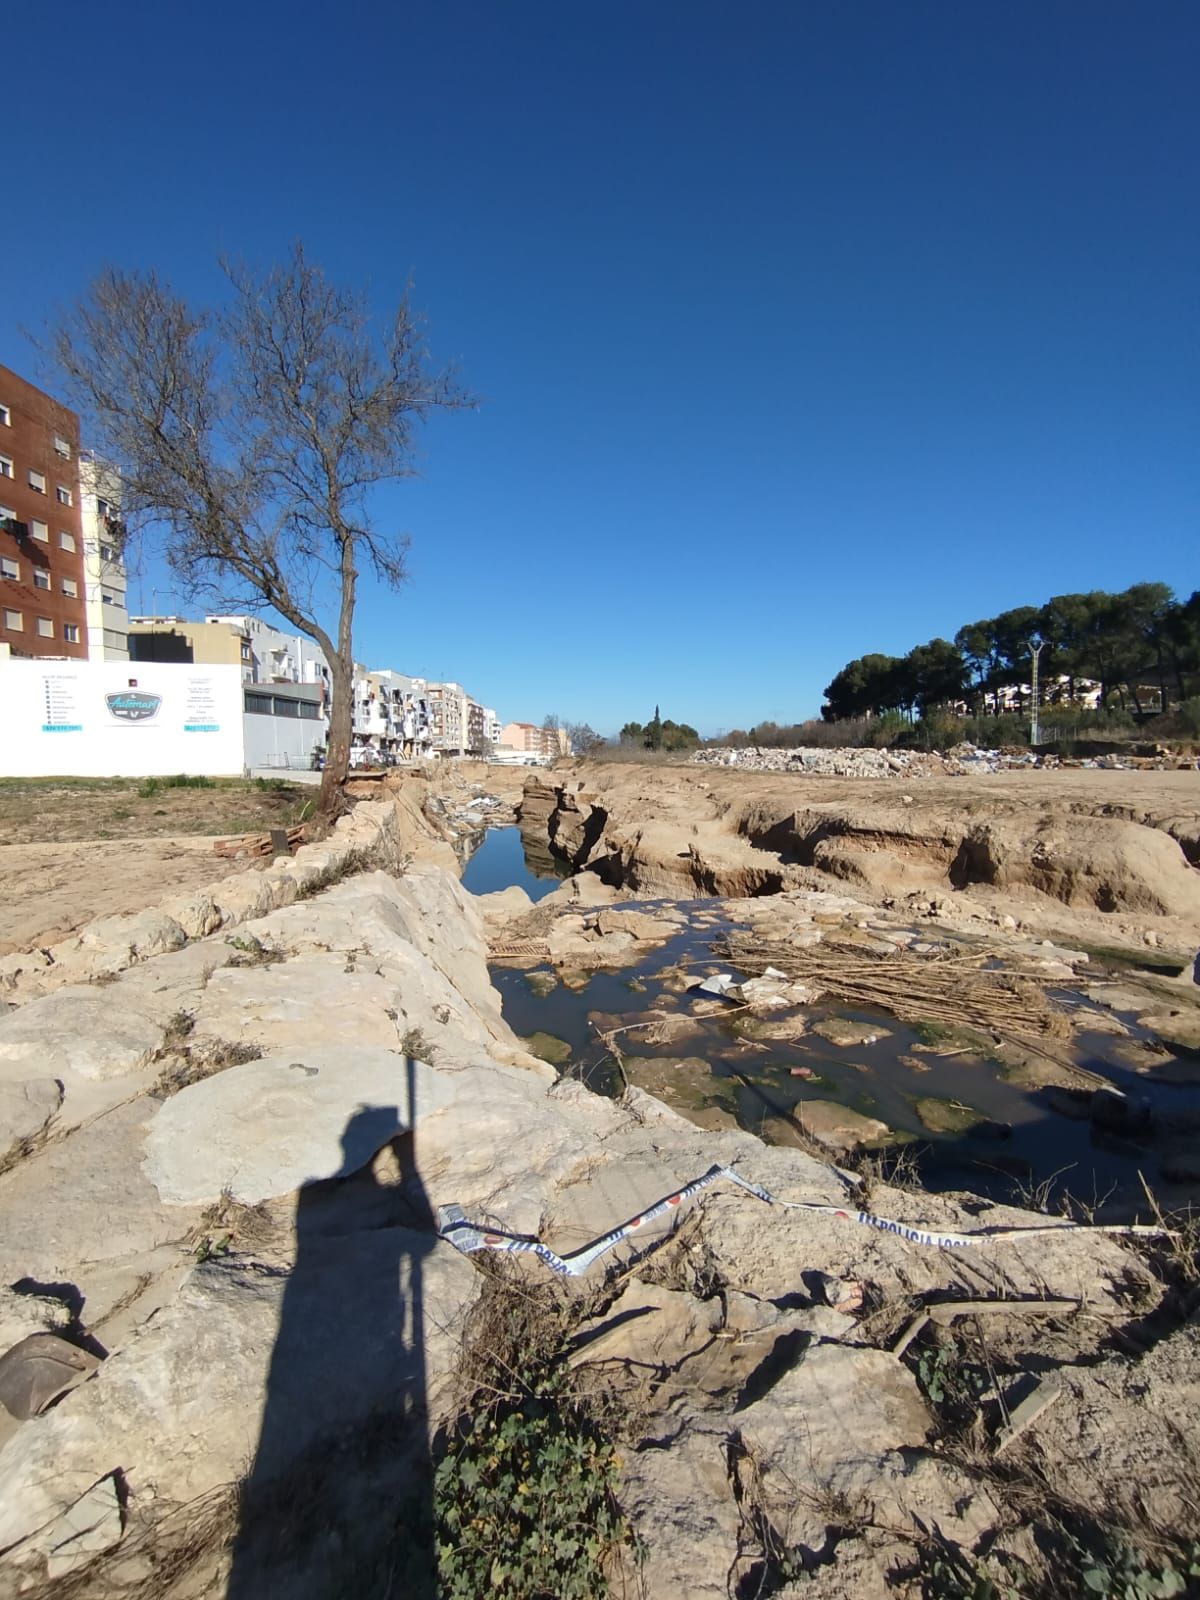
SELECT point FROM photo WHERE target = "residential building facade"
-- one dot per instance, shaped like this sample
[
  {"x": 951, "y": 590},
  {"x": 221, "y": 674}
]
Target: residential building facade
[
  {"x": 42, "y": 583},
  {"x": 278, "y": 657},
  {"x": 448, "y": 718},
  {"x": 104, "y": 577}
]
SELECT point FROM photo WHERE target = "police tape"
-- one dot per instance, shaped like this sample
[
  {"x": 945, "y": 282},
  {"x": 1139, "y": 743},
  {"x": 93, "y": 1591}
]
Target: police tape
[{"x": 467, "y": 1236}]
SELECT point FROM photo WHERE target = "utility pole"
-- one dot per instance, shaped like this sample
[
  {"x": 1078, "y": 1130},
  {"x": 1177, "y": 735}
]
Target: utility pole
[{"x": 1035, "y": 651}]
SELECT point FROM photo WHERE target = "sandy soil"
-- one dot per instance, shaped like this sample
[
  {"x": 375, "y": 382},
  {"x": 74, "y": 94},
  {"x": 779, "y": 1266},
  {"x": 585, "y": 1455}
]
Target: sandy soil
[
  {"x": 898, "y": 837},
  {"x": 74, "y": 851},
  {"x": 50, "y": 890}
]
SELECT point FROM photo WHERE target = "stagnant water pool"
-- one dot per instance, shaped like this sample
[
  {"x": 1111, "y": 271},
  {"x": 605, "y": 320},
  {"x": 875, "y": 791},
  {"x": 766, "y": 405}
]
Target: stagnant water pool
[
  {"x": 717, "y": 1076},
  {"x": 503, "y": 858}
]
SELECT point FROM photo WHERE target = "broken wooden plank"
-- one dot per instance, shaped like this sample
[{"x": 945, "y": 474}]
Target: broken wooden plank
[
  {"x": 947, "y": 1311},
  {"x": 1043, "y": 1395},
  {"x": 262, "y": 844}
]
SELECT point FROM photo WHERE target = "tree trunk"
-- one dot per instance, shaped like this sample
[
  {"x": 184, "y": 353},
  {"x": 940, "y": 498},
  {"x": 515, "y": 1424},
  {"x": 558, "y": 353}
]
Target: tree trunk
[
  {"x": 341, "y": 714},
  {"x": 337, "y": 753}
]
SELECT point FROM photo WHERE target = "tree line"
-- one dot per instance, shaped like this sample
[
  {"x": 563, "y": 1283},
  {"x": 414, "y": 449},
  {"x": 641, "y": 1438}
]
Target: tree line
[
  {"x": 1140, "y": 649},
  {"x": 658, "y": 734}
]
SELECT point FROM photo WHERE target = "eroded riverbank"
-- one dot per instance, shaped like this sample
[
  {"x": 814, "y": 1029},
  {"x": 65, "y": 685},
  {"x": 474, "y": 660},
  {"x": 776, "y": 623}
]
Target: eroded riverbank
[
  {"x": 968, "y": 1111},
  {"x": 228, "y": 1197}
]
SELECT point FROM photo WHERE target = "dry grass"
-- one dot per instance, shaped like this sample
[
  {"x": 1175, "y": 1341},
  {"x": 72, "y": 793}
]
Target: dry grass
[
  {"x": 953, "y": 991},
  {"x": 184, "y": 1064}
]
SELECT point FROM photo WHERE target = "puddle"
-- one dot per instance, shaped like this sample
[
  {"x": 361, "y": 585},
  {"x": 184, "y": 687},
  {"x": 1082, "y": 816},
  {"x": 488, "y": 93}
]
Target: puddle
[
  {"x": 503, "y": 858},
  {"x": 715, "y": 1076}
]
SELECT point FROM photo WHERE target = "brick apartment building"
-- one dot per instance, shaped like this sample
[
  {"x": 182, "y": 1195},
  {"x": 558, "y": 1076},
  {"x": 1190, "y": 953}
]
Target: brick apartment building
[{"x": 42, "y": 589}]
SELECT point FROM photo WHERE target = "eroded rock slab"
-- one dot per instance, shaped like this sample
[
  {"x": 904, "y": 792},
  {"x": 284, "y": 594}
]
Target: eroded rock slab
[
  {"x": 25, "y": 1109},
  {"x": 267, "y": 1127}
]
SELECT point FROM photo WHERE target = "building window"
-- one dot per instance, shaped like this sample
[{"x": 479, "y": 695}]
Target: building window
[
  {"x": 62, "y": 447},
  {"x": 70, "y": 588},
  {"x": 260, "y": 704},
  {"x": 37, "y": 480},
  {"x": 41, "y": 578},
  {"x": 5, "y": 417},
  {"x": 107, "y": 553},
  {"x": 67, "y": 541},
  {"x": 64, "y": 495},
  {"x": 13, "y": 621},
  {"x": 108, "y": 598},
  {"x": 40, "y": 530},
  {"x": 71, "y": 632},
  {"x": 10, "y": 568},
  {"x": 45, "y": 628},
  {"x": 6, "y": 467}
]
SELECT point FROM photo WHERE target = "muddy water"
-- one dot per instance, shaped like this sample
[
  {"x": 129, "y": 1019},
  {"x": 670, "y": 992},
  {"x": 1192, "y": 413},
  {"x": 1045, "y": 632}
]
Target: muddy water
[{"x": 717, "y": 1076}]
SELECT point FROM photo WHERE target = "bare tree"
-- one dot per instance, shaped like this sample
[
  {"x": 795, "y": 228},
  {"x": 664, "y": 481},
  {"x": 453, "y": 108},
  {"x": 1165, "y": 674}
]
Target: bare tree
[
  {"x": 584, "y": 738},
  {"x": 252, "y": 438}
]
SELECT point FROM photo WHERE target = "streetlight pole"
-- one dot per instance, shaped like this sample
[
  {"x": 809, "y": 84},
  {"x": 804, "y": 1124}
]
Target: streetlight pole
[{"x": 1035, "y": 651}]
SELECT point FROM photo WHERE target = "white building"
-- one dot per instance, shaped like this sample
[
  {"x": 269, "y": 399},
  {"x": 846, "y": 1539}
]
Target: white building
[
  {"x": 278, "y": 657},
  {"x": 104, "y": 577}
]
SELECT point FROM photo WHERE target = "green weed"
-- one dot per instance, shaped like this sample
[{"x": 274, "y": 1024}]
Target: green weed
[
  {"x": 152, "y": 786},
  {"x": 525, "y": 1491}
]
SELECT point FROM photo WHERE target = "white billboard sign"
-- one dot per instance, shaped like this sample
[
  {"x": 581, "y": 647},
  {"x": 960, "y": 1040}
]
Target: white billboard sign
[{"x": 129, "y": 719}]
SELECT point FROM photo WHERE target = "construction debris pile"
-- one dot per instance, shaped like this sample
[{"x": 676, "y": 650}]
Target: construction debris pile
[
  {"x": 850, "y": 762},
  {"x": 835, "y": 762}
]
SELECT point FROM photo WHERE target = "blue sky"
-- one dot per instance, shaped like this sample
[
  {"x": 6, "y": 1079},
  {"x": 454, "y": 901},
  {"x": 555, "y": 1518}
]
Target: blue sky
[{"x": 799, "y": 329}]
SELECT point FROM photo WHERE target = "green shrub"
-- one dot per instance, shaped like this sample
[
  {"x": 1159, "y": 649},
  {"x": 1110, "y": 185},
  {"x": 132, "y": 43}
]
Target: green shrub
[
  {"x": 525, "y": 1501},
  {"x": 525, "y": 1491},
  {"x": 182, "y": 780}
]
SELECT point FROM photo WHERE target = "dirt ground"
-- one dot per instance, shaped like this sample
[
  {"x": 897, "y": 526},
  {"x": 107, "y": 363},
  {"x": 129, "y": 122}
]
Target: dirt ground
[
  {"x": 75, "y": 850},
  {"x": 1078, "y": 854}
]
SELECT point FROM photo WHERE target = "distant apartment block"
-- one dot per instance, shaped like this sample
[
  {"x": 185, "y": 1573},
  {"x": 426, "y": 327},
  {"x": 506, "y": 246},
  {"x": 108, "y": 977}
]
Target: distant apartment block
[
  {"x": 42, "y": 581},
  {"x": 545, "y": 743},
  {"x": 394, "y": 716}
]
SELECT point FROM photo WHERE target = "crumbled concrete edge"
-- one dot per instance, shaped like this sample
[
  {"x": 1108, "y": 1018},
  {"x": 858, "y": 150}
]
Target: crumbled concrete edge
[{"x": 369, "y": 836}]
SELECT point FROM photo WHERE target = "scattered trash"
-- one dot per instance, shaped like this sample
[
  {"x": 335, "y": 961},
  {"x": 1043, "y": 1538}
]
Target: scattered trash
[
  {"x": 805, "y": 1072},
  {"x": 717, "y": 986},
  {"x": 37, "y": 1370},
  {"x": 843, "y": 1294},
  {"x": 279, "y": 841},
  {"x": 945, "y": 1312}
]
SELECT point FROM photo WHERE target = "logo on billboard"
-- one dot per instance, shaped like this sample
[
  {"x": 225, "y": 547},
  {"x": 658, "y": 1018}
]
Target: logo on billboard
[{"x": 130, "y": 705}]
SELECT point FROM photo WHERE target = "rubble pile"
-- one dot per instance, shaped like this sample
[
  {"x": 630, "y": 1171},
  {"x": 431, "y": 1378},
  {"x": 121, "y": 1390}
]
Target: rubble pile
[
  {"x": 840, "y": 762},
  {"x": 849, "y": 762}
]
